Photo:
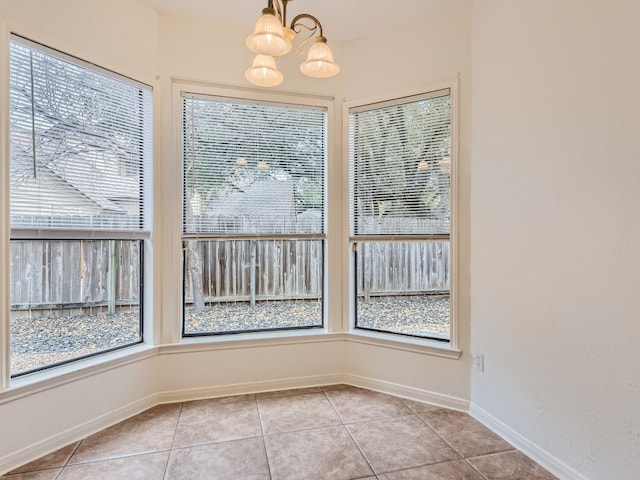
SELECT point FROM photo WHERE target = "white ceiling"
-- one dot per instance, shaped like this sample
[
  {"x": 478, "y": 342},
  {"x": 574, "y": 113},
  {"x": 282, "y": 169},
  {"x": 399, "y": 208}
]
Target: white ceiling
[{"x": 342, "y": 20}]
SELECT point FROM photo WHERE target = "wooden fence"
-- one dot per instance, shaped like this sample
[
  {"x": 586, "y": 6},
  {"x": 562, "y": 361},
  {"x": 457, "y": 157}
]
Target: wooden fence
[
  {"x": 255, "y": 269},
  {"x": 74, "y": 274},
  {"x": 71, "y": 275},
  {"x": 246, "y": 270},
  {"x": 402, "y": 268}
]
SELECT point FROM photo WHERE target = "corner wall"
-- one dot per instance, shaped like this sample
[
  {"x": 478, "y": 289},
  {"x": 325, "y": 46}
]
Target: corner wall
[{"x": 555, "y": 230}]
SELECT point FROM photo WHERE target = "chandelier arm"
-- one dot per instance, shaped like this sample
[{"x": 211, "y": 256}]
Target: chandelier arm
[
  {"x": 303, "y": 44},
  {"x": 280, "y": 7},
  {"x": 296, "y": 21},
  {"x": 284, "y": 12}
]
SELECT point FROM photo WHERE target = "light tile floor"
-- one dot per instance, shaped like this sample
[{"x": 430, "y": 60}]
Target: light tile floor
[{"x": 336, "y": 432}]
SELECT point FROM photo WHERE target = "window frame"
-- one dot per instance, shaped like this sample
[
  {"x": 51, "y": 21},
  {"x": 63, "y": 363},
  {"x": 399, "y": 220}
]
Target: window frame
[
  {"x": 386, "y": 337},
  {"x": 185, "y": 87},
  {"x": 141, "y": 235}
]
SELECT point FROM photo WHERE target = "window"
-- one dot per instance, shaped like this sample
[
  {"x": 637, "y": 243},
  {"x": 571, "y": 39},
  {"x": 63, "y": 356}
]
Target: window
[
  {"x": 253, "y": 215},
  {"x": 400, "y": 161},
  {"x": 80, "y": 147}
]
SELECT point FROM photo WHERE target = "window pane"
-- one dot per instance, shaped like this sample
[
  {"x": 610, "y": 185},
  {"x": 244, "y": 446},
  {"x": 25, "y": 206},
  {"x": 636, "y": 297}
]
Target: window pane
[
  {"x": 400, "y": 166},
  {"x": 252, "y": 168},
  {"x": 71, "y": 299},
  {"x": 403, "y": 287},
  {"x": 80, "y": 143},
  {"x": 252, "y": 285}
]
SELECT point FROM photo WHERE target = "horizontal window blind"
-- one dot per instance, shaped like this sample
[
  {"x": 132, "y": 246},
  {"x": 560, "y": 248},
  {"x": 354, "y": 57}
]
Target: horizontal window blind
[
  {"x": 400, "y": 166},
  {"x": 80, "y": 144},
  {"x": 252, "y": 168}
]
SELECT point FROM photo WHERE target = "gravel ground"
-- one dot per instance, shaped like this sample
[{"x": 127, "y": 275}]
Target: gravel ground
[
  {"x": 230, "y": 317},
  {"x": 415, "y": 315},
  {"x": 39, "y": 342}
]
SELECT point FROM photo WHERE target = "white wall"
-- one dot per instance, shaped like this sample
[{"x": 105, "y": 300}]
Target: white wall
[
  {"x": 217, "y": 369},
  {"x": 555, "y": 229},
  {"x": 118, "y": 34},
  {"x": 38, "y": 419}
]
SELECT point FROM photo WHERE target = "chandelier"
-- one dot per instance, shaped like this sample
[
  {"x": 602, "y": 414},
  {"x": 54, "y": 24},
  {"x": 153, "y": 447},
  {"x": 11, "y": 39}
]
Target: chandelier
[{"x": 272, "y": 38}]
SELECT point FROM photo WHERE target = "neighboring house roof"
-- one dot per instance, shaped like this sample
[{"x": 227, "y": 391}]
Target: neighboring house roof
[
  {"x": 106, "y": 186},
  {"x": 67, "y": 188},
  {"x": 262, "y": 198},
  {"x": 50, "y": 194}
]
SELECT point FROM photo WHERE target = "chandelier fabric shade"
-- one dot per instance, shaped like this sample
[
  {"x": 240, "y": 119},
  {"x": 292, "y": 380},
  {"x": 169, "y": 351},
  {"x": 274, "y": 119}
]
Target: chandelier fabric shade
[
  {"x": 319, "y": 63},
  {"x": 268, "y": 36},
  {"x": 272, "y": 38},
  {"x": 263, "y": 72}
]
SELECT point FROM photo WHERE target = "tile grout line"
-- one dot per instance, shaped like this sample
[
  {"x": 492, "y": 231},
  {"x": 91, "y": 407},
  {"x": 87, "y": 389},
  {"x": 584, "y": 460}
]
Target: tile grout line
[
  {"x": 344, "y": 425},
  {"x": 417, "y": 414},
  {"x": 426, "y": 464},
  {"x": 173, "y": 438},
  {"x": 342, "y": 422},
  {"x": 68, "y": 459},
  {"x": 462, "y": 457},
  {"x": 475, "y": 469},
  {"x": 488, "y": 455},
  {"x": 412, "y": 413},
  {"x": 262, "y": 435}
]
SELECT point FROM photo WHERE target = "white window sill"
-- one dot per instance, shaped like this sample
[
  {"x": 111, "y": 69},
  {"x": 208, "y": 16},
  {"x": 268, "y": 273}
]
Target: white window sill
[
  {"x": 423, "y": 346},
  {"x": 33, "y": 383},
  {"x": 268, "y": 339},
  {"x": 249, "y": 340}
]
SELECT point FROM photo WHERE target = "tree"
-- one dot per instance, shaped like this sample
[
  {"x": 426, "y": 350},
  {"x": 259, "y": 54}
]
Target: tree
[{"x": 398, "y": 151}]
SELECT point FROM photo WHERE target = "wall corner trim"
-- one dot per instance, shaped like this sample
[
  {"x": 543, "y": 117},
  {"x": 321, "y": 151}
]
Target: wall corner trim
[
  {"x": 538, "y": 454},
  {"x": 410, "y": 393}
]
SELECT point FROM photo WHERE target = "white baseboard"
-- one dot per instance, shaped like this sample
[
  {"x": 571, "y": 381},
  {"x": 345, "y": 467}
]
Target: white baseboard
[
  {"x": 314, "y": 381},
  {"x": 410, "y": 393},
  {"x": 533, "y": 451},
  {"x": 44, "y": 447},
  {"x": 250, "y": 387}
]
